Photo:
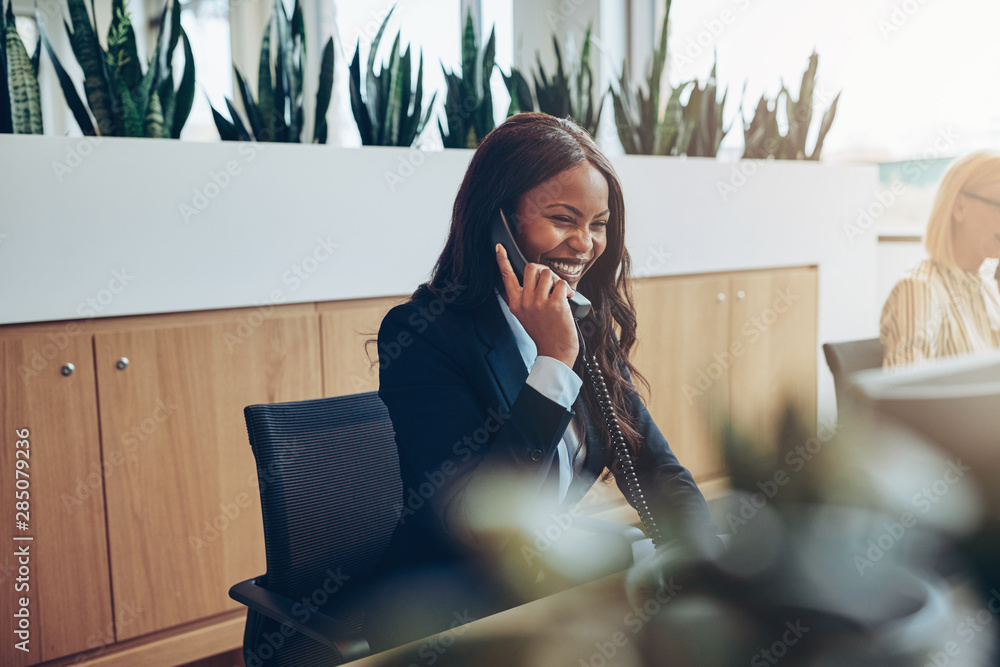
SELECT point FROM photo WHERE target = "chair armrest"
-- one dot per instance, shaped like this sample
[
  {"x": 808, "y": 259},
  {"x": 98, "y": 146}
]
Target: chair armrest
[{"x": 328, "y": 631}]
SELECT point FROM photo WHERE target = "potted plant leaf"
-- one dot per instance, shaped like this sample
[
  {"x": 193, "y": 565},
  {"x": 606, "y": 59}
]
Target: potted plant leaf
[
  {"x": 386, "y": 111},
  {"x": 124, "y": 100},
  {"x": 469, "y": 101},
  {"x": 762, "y": 135},
  {"x": 709, "y": 129},
  {"x": 641, "y": 128},
  {"x": 20, "y": 99},
  {"x": 562, "y": 94},
  {"x": 276, "y": 114}
]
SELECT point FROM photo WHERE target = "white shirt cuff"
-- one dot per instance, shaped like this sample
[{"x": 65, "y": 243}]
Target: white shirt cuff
[{"x": 554, "y": 380}]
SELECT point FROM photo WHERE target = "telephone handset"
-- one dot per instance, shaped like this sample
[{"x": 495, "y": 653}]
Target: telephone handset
[
  {"x": 579, "y": 305},
  {"x": 580, "y": 308}
]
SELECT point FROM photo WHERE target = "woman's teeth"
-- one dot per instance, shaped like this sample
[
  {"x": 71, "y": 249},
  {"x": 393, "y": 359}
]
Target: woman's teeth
[{"x": 569, "y": 270}]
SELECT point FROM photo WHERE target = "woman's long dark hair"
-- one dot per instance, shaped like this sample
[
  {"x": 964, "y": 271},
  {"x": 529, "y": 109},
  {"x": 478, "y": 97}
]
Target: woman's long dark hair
[{"x": 523, "y": 152}]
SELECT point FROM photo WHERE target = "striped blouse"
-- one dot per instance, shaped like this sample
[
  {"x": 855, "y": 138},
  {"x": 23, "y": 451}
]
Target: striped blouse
[{"x": 938, "y": 310}]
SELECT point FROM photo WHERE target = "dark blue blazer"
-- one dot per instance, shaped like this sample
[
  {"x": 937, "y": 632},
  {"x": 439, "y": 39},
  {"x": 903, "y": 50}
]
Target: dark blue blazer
[{"x": 453, "y": 381}]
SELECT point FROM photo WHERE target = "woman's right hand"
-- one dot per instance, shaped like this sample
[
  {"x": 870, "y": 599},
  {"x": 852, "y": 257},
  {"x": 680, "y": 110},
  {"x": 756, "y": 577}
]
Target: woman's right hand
[{"x": 541, "y": 306}]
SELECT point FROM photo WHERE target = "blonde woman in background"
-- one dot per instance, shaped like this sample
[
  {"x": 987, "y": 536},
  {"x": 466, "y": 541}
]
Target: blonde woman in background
[{"x": 949, "y": 304}]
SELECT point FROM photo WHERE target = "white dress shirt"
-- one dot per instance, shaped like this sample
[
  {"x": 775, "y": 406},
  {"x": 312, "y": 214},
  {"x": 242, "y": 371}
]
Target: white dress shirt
[{"x": 556, "y": 381}]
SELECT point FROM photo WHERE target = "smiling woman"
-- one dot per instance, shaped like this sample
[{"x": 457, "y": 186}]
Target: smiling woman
[
  {"x": 491, "y": 415},
  {"x": 950, "y": 304}
]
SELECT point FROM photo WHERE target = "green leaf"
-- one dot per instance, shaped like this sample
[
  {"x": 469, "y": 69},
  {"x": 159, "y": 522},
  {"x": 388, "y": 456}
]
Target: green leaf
[
  {"x": 371, "y": 83},
  {"x": 388, "y": 82},
  {"x": 36, "y": 55},
  {"x": 90, "y": 57},
  {"x": 132, "y": 120},
  {"x": 65, "y": 82},
  {"x": 323, "y": 93},
  {"x": 227, "y": 131},
  {"x": 185, "y": 92},
  {"x": 25, "y": 98},
  {"x": 265, "y": 91},
  {"x": 175, "y": 33},
  {"x": 395, "y": 110},
  {"x": 361, "y": 117},
  {"x": 241, "y": 129},
  {"x": 253, "y": 117},
  {"x": 153, "y": 126},
  {"x": 6, "y": 122},
  {"x": 122, "y": 46}
]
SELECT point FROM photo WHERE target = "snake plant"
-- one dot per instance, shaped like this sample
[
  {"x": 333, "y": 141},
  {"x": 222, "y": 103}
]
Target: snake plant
[
  {"x": 20, "y": 100},
  {"x": 277, "y": 115},
  {"x": 762, "y": 135},
  {"x": 387, "y": 113},
  {"x": 709, "y": 130},
  {"x": 562, "y": 95},
  {"x": 469, "y": 102},
  {"x": 124, "y": 100},
  {"x": 641, "y": 129}
]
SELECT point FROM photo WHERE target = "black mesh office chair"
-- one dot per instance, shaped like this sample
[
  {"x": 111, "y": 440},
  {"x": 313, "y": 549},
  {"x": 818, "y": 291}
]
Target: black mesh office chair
[
  {"x": 330, "y": 489},
  {"x": 849, "y": 357}
]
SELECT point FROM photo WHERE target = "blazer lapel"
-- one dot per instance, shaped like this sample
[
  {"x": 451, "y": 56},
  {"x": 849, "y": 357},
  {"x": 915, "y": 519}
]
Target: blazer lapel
[{"x": 500, "y": 349}]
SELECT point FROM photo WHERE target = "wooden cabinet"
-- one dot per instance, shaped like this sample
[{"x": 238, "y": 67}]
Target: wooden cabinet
[
  {"x": 184, "y": 519},
  {"x": 721, "y": 345},
  {"x": 64, "y": 576}
]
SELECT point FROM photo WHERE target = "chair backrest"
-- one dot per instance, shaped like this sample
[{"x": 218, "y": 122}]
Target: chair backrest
[
  {"x": 849, "y": 357},
  {"x": 330, "y": 489}
]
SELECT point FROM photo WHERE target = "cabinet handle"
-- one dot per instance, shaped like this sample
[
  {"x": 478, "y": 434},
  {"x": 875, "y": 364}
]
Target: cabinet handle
[
  {"x": 721, "y": 297},
  {"x": 68, "y": 369},
  {"x": 740, "y": 295},
  {"x": 122, "y": 363}
]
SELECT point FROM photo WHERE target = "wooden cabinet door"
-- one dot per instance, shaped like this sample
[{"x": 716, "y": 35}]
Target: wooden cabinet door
[
  {"x": 69, "y": 597},
  {"x": 184, "y": 520},
  {"x": 774, "y": 316},
  {"x": 683, "y": 340}
]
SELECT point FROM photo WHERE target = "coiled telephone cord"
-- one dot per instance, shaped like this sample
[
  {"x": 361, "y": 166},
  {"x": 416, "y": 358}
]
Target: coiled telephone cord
[{"x": 638, "y": 499}]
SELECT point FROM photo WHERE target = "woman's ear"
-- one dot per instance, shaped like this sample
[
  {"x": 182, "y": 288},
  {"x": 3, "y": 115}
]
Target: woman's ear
[{"x": 958, "y": 209}]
